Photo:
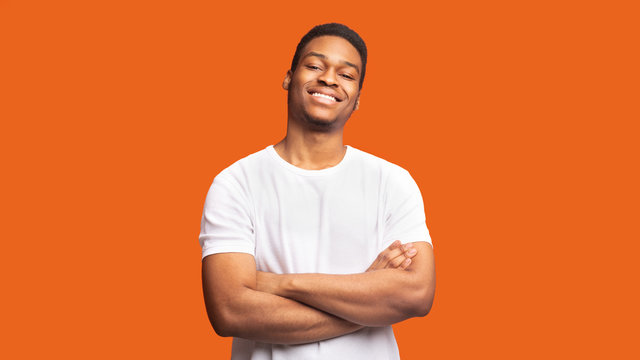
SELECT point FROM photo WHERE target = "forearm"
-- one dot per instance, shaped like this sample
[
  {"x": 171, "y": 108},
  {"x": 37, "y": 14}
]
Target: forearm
[
  {"x": 269, "y": 318},
  {"x": 375, "y": 298},
  {"x": 236, "y": 307}
]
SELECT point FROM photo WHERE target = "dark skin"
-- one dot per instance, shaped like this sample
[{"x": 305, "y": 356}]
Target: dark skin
[
  {"x": 299, "y": 308},
  {"x": 330, "y": 66},
  {"x": 238, "y": 307}
]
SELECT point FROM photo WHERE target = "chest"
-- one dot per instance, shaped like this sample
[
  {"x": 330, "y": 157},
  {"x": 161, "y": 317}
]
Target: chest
[{"x": 328, "y": 225}]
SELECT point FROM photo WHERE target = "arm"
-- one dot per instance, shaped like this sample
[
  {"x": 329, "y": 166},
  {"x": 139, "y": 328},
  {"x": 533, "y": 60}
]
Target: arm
[
  {"x": 373, "y": 298},
  {"x": 235, "y": 308}
]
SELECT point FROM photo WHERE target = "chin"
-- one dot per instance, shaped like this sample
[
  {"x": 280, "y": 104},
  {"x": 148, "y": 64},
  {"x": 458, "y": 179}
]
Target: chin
[{"x": 320, "y": 123}]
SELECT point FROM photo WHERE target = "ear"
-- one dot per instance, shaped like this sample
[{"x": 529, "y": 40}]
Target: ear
[
  {"x": 287, "y": 80},
  {"x": 357, "y": 103}
]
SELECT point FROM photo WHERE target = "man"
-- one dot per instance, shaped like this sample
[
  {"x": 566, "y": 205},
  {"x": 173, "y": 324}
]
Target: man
[{"x": 312, "y": 249}]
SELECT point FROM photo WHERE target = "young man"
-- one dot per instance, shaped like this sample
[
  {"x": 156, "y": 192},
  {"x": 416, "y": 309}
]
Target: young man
[{"x": 312, "y": 249}]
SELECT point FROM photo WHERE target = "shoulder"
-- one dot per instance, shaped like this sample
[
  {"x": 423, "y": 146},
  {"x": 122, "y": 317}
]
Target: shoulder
[
  {"x": 387, "y": 169},
  {"x": 239, "y": 172},
  {"x": 232, "y": 186}
]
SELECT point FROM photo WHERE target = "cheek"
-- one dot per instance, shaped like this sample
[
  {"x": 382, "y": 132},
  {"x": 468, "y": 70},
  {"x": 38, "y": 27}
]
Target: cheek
[
  {"x": 352, "y": 88},
  {"x": 354, "y": 94}
]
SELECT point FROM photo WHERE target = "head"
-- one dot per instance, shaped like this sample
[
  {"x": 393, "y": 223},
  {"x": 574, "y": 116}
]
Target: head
[
  {"x": 333, "y": 29},
  {"x": 326, "y": 76}
]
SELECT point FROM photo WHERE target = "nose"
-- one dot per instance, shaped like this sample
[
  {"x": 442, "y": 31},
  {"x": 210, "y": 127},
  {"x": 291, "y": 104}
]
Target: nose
[{"x": 328, "y": 77}]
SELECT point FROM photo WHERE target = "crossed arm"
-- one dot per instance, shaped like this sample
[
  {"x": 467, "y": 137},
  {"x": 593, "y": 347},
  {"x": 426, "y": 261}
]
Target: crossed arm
[{"x": 301, "y": 308}]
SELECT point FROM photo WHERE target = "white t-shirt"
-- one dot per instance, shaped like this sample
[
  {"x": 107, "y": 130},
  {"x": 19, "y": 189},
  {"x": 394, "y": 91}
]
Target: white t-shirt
[{"x": 332, "y": 221}]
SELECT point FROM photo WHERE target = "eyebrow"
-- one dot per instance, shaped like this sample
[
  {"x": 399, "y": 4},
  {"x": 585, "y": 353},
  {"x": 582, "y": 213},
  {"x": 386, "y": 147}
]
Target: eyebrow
[{"x": 324, "y": 57}]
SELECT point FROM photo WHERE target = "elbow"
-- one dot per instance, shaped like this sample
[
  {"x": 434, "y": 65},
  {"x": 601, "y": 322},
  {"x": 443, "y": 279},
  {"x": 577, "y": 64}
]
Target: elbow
[
  {"x": 221, "y": 329},
  {"x": 423, "y": 308},
  {"x": 227, "y": 317},
  {"x": 422, "y": 302},
  {"x": 222, "y": 323}
]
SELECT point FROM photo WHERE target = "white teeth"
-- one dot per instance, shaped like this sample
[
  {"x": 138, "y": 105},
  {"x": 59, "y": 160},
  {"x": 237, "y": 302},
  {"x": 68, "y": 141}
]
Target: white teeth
[{"x": 324, "y": 96}]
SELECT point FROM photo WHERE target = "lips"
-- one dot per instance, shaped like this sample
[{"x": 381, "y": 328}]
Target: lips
[{"x": 325, "y": 94}]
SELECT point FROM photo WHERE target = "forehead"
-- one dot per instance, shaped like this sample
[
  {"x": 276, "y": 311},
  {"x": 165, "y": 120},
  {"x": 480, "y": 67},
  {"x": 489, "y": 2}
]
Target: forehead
[{"x": 334, "y": 48}]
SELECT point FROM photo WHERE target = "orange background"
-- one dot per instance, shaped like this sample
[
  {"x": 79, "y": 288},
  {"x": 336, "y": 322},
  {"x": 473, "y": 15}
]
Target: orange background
[{"x": 517, "y": 119}]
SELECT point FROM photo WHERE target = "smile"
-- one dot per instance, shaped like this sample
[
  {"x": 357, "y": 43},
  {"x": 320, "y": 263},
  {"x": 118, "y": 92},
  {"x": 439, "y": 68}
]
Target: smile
[
  {"x": 324, "y": 96},
  {"x": 328, "y": 97}
]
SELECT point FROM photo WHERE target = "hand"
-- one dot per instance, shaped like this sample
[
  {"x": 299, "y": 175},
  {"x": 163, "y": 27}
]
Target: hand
[{"x": 396, "y": 256}]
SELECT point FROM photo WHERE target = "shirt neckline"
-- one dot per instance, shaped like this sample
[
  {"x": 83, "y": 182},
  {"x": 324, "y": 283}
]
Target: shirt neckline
[{"x": 306, "y": 172}]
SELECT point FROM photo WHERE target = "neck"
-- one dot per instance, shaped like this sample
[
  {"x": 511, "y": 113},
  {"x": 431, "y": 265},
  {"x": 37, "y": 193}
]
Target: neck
[{"x": 311, "y": 150}]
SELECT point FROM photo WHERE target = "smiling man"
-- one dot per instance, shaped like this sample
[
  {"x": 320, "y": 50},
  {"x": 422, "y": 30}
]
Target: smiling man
[{"x": 313, "y": 249}]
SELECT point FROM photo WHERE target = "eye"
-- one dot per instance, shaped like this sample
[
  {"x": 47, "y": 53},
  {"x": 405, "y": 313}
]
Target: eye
[
  {"x": 313, "y": 67},
  {"x": 347, "y": 76}
]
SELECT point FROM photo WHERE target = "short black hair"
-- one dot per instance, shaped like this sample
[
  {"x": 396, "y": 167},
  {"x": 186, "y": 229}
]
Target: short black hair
[{"x": 333, "y": 29}]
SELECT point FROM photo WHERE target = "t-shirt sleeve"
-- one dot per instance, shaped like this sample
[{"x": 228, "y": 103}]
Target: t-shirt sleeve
[
  {"x": 226, "y": 219},
  {"x": 404, "y": 214}
]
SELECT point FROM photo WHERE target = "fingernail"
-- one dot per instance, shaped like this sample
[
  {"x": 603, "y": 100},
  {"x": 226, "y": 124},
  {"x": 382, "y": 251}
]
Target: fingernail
[
  {"x": 411, "y": 252},
  {"x": 408, "y": 245}
]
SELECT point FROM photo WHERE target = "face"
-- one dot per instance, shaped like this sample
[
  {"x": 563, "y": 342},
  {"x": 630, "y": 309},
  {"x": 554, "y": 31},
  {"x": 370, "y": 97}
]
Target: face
[{"x": 324, "y": 88}]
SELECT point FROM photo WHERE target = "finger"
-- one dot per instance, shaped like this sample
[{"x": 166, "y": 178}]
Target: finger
[
  {"x": 395, "y": 263},
  {"x": 388, "y": 256},
  {"x": 394, "y": 250},
  {"x": 405, "y": 264},
  {"x": 409, "y": 250},
  {"x": 381, "y": 260},
  {"x": 396, "y": 258}
]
